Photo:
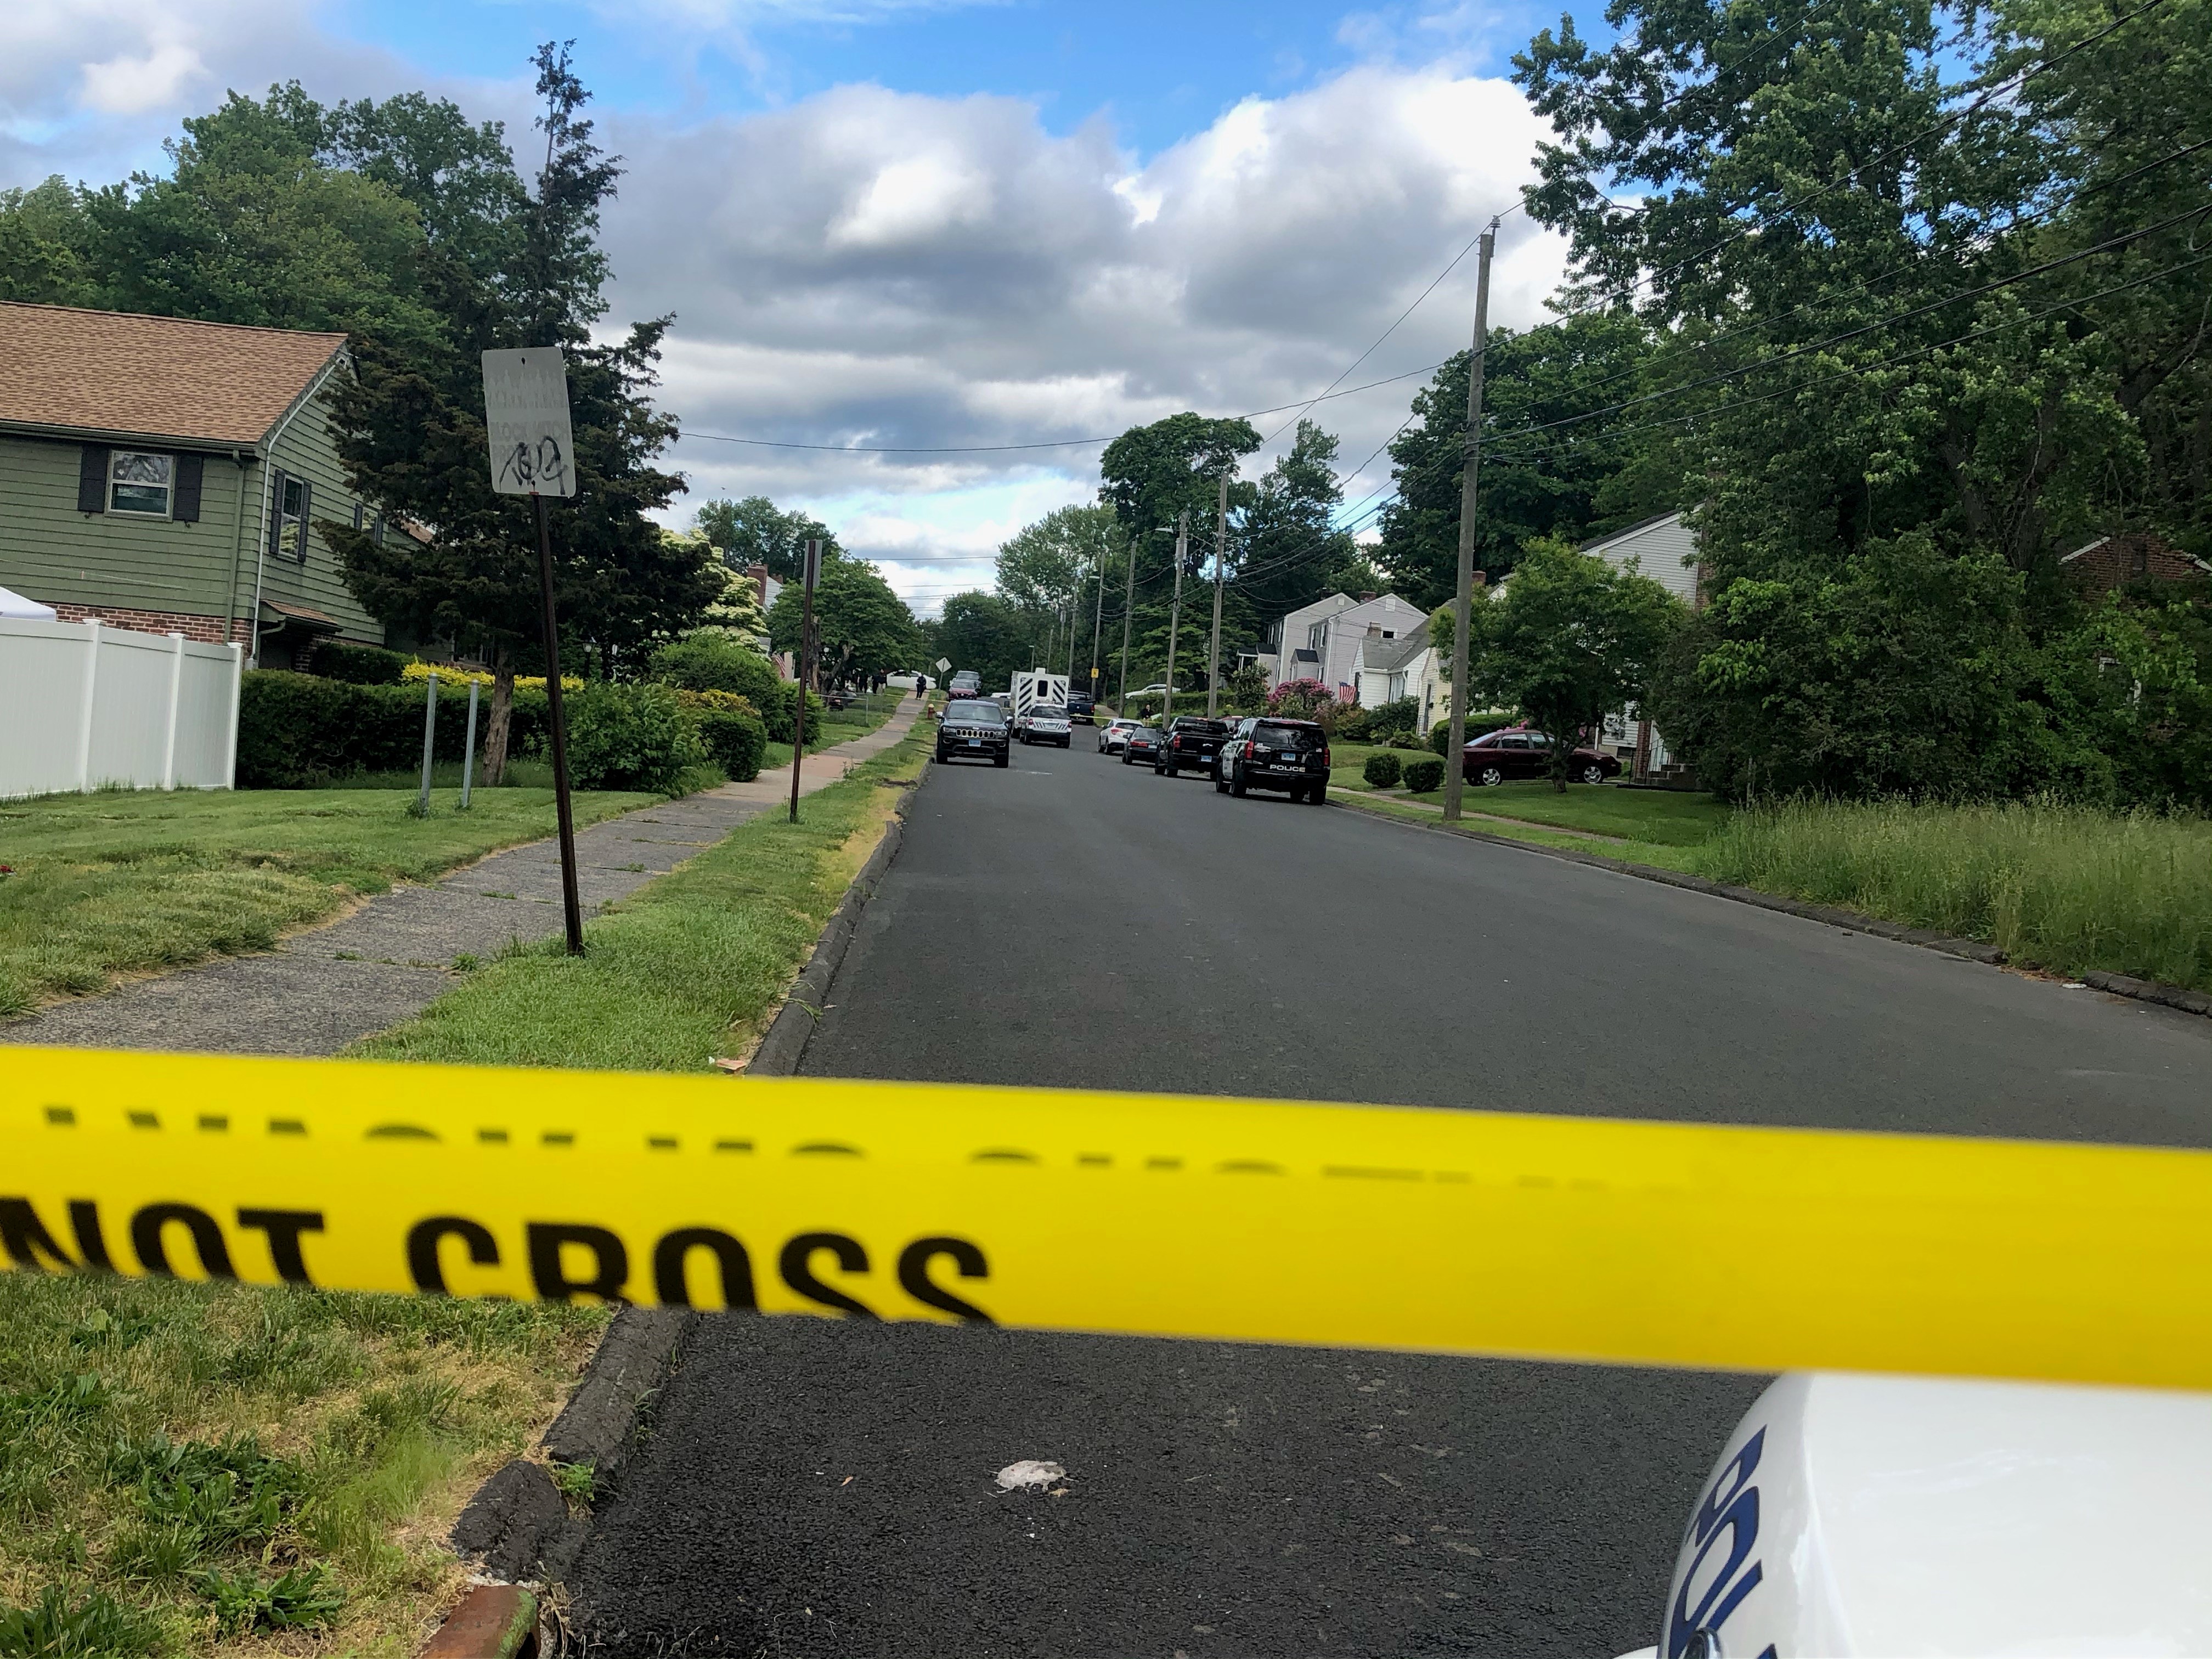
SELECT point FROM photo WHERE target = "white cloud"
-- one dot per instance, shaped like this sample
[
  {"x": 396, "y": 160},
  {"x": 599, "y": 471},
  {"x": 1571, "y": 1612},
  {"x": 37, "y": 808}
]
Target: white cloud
[{"x": 873, "y": 269}]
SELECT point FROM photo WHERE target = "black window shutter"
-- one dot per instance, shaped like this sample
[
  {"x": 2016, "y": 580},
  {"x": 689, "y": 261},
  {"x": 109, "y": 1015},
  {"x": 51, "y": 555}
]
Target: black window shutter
[
  {"x": 92, "y": 479},
  {"x": 187, "y": 504},
  {"x": 360, "y": 515},
  {"x": 275, "y": 510},
  {"x": 306, "y": 505}
]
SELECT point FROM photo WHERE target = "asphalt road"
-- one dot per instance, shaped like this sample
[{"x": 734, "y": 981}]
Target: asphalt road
[{"x": 1094, "y": 925}]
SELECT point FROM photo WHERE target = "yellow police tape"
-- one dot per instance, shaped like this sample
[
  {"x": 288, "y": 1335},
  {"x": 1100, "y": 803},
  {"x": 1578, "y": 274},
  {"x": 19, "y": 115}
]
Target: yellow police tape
[{"x": 1468, "y": 1232}]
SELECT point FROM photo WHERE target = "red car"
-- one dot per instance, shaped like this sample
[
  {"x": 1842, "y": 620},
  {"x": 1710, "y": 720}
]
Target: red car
[{"x": 1497, "y": 757}]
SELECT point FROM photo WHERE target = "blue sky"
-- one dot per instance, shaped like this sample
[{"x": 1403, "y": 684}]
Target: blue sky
[
  {"x": 884, "y": 222},
  {"x": 1157, "y": 69}
]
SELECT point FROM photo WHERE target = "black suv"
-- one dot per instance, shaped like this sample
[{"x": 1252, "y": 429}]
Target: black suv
[
  {"x": 974, "y": 729},
  {"x": 1265, "y": 753},
  {"x": 1080, "y": 707},
  {"x": 1192, "y": 741}
]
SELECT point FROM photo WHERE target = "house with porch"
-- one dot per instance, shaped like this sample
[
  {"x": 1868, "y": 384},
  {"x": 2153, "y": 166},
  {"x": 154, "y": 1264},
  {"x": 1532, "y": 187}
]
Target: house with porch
[{"x": 165, "y": 476}]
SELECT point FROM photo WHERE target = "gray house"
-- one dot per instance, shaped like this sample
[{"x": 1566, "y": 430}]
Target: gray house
[{"x": 164, "y": 476}]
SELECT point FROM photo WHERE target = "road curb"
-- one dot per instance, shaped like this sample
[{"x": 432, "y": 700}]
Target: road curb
[
  {"x": 793, "y": 1027},
  {"x": 490, "y": 1621},
  {"x": 2143, "y": 990},
  {"x": 518, "y": 1528}
]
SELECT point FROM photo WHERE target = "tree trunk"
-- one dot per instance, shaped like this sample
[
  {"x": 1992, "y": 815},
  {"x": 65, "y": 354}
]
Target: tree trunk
[{"x": 501, "y": 717}]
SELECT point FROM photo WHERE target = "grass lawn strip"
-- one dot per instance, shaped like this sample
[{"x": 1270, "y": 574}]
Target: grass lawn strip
[
  {"x": 1664, "y": 856},
  {"x": 129, "y": 882},
  {"x": 689, "y": 968},
  {"x": 224, "y": 1469},
  {"x": 835, "y": 725}
]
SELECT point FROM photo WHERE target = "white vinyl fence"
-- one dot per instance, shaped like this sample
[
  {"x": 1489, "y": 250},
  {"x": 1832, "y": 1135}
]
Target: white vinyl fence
[{"x": 82, "y": 705}]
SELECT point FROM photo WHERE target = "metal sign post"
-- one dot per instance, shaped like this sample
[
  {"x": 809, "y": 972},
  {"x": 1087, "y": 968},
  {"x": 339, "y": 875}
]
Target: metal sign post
[
  {"x": 430, "y": 742},
  {"x": 469, "y": 746},
  {"x": 526, "y": 418},
  {"x": 806, "y": 669}
]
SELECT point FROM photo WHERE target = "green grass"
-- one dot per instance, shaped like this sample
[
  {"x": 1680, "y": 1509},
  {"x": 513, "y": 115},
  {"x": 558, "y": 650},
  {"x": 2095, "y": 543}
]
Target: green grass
[
  {"x": 686, "y": 969},
  {"x": 2060, "y": 887},
  {"x": 191, "y": 1468},
  {"x": 123, "y": 881},
  {"x": 1666, "y": 855}
]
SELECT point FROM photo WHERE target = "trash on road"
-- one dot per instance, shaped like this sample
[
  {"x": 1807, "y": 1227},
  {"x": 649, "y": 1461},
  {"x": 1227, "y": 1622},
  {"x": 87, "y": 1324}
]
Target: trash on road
[{"x": 1030, "y": 1474}]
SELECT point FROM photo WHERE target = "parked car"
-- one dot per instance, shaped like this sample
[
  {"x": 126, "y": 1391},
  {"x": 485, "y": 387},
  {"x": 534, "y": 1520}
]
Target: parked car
[
  {"x": 1498, "y": 756},
  {"x": 975, "y": 728},
  {"x": 1081, "y": 708},
  {"x": 1266, "y": 753},
  {"x": 1045, "y": 722},
  {"x": 1193, "y": 741},
  {"x": 1142, "y": 744},
  {"x": 965, "y": 683},
  {"x": 1114, "y": 736}
]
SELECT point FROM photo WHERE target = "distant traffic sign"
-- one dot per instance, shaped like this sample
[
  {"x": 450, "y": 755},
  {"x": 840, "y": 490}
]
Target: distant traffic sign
[
  {"x": 526, "y": 415},
  {"x": 943, "y": 664}
]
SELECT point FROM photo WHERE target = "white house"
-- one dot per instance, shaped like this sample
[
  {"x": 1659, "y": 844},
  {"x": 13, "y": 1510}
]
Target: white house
[
  {"x": 1404, "y": 666},
  {"x": 1665, "y": 549},
  {"x": 1322, "y": 641}
]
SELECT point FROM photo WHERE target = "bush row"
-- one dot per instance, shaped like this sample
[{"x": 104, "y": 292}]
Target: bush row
[{"x": 301, "y": 731}]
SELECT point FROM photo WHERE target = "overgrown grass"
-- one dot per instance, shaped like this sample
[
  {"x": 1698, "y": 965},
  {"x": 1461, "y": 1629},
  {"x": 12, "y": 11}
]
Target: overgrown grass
[
  {"x": 1666, "y": 855},
  {"x": 190, "y": 1468},
  {"x": 131, "y": 881},
  {"x": 687, "y": 968},
  {"x": 2061, "y": 887}
]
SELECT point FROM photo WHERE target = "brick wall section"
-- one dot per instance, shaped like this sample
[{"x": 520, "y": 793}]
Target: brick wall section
[
  {"x": 2118, "y": 560},
  {"x": 207, "y": 629}
]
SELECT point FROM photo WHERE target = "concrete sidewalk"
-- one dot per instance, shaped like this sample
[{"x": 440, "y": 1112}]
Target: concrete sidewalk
[{"x": 390, "y": 959}]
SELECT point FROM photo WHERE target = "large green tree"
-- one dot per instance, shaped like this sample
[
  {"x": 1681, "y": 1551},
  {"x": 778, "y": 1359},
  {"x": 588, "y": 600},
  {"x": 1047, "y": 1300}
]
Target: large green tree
[
  {"x": 1872, "y": 366},
  {"x": 413, "y": 425},
  {"x": 984, "y": 631},
  {"x": 1530, "y": 487},
  {"x": 861, "y": 626},
  {"x": 755, "y": 530},
  {"x": 1569, "y": 639}
]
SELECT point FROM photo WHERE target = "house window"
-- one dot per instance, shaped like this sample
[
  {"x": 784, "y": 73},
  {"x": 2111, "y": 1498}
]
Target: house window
[
  {"x": 1390, "y": 633},
  {"x": 291, "y": 526},
  {"x": 140, "y": 483}
]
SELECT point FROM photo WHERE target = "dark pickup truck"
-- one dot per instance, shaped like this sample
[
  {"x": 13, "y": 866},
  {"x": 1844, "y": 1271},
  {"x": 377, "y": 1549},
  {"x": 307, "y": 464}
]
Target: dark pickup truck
[{"x": 1193, "y": 742}]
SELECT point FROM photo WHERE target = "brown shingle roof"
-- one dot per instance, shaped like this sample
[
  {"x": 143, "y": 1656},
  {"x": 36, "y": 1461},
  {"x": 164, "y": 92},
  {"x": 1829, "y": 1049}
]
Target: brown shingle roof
[{"x": 152, "y": 377}]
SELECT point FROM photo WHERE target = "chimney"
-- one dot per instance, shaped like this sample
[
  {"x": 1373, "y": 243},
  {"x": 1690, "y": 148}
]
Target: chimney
[
  {"x": 1364, "y": 597},
  {"x": 1375, "y": 630},
  {"x": 759, "y": 573}
]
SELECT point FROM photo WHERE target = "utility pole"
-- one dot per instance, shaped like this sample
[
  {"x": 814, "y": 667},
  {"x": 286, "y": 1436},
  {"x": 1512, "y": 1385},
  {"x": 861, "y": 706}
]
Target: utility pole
[
  {"x": 1074, "y": 615},
  {"x": 1463, "y": 608},
  {"x": 1097, "y": 616},
  {"x": 1129, "y": 610},
  {"x": 806, "y": 667},
  {"x": 1220, "y": 555},
  {"x": 1174, "y": 616}
]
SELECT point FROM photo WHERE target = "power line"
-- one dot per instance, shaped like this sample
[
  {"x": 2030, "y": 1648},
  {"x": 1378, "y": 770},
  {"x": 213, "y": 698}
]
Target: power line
[
  {"x": 1907, "y": 355},
  {"x": 2018, "y": 79}
]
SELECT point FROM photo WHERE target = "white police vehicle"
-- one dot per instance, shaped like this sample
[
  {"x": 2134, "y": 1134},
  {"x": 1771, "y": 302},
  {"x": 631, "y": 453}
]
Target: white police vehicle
[{"x": 1883, "y": 1515}]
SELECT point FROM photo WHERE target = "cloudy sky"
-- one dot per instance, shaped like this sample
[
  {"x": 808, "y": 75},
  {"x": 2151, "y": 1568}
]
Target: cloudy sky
[{"x": 903, "y": 224}]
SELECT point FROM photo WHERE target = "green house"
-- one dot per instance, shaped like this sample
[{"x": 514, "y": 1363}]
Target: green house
[{"x": 165, "y": 476}]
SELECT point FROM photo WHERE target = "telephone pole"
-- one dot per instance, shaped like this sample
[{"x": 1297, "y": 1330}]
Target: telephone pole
[
  {"x": 1220, "y": 555},
  {"x": 1174, "y": 616},
  {"x": 1128, "y": 609},
  {"x": 1471, "y": 459},
  {"x": 1097, "y": 616}
]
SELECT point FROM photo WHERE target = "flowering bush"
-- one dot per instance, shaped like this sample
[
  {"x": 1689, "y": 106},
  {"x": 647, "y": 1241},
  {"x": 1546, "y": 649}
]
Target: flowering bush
[
  {"x": 448, "y": 674},
  {"x": 1304, "y": 700}
]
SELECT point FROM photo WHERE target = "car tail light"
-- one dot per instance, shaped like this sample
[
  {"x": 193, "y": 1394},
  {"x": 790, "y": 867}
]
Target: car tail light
[{"x": 1324, "y": 757}]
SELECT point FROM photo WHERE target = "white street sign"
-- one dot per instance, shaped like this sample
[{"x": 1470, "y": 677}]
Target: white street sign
[
  {"x": 943, "y": 664},
  {"x": 527, "y": 411}
]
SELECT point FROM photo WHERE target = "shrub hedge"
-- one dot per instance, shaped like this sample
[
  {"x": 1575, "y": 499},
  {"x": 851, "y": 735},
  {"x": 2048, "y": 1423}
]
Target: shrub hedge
[
  {"x": 302, "y": 731},
  {"x": 732, "y": 728},
  {"x": 1382, "y": 770},
  {"x": 631, "y": 737},
  {"x": 359, "y": 664},
  {"x": 1424, "y": 775}
]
